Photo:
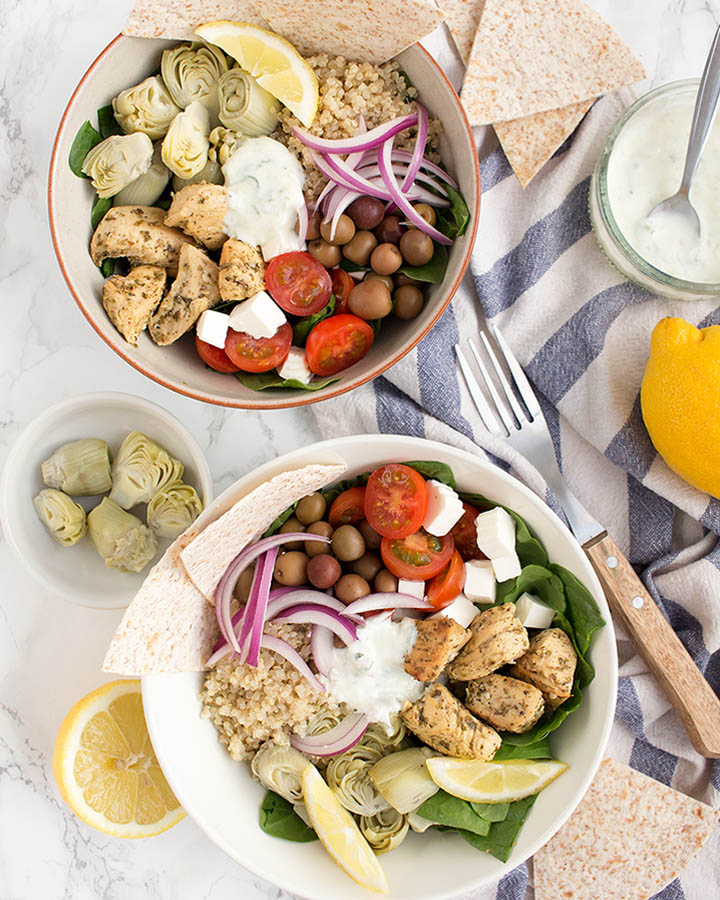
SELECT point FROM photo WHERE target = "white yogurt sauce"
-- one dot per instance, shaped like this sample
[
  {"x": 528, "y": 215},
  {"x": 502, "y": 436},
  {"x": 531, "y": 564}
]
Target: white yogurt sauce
[
  {"x": 264, "y": 181},
  {"x": 369, "y": 676},
  {"x": 645, "y": 167}
]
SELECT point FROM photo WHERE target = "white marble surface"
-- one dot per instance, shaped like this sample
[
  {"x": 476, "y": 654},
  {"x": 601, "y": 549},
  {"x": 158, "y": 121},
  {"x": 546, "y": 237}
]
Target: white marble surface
[{"x": 51, "y": 652}]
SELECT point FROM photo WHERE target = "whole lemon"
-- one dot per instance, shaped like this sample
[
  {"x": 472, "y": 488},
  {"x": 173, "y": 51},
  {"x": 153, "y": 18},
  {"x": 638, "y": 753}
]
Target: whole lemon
[{"x": 680, "y": 400}]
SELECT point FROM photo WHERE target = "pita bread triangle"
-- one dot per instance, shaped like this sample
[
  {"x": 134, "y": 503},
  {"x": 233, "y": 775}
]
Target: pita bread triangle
[
  {"x": 178, "y": 19},
  {"x": 462, "y": 17},
  {"x": 530, "y": 56}
]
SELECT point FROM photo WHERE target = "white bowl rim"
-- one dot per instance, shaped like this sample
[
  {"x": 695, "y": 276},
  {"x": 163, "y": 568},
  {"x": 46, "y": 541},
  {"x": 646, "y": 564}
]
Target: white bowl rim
[
  {"x": 69, "y": 406},
  {"x": 334, "y": 447}
]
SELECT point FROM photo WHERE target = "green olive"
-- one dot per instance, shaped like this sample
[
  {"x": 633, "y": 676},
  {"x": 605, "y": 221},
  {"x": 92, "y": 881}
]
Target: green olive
[
  {"x": 328, "y": 255},
  {"x": 344, "y": 230},
  {"x": 370, "y": 300},
  {"x": 427, "y": 212},
  {"x": 313, "y": 228},
  {"x": 347, "y": 543},
  {"x": 367, "y": 566},
  {"x": 383, "y": 279},
  {"x": 385, "y": 582},
  {"x": 386, "y": 259},
  {"x": 359, "y": 248},
  {"x": 351, "y": 587},
  {"x": 244, "y": 583},
  {"x": 291, "y": 568},
  {"x": 408, "y": 301},
  {"x": 323, "y": 571},
  {"x": 317, "y": 548},
  {"x": 416, "y": 247},
  {"x": 371, "y": 537},
  {"x": 292, "y": 525},
  {"x": 311, "y": 508}
]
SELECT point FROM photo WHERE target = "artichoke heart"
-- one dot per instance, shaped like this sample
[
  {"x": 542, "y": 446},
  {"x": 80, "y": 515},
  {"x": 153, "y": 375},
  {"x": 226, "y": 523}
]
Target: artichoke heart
[
  {"x": 223, "y": 143},
  {"x": 117, "y": 161},
  {"x": 185, "y": 146},
  {"x": 191, "y": 72},
  {"x": 147, "y": 107},
  {"x": 120, "y": 538},
  {"x": 142, "y": 468},
  {"x": 387, "y": 740},
  {"x": 80, "y": 468},
  {"x": 211, "y": 174},
  {"x": 245, "y": 106},
  {"x": 63, "y": 518},
  {"x": 403, "y": 779},
  {"x": 280, "y": 769},
  {"x": 348, "y": 775},
  {"x": 147, "y": 188},
  {"x": 385, "y": 830},
  {"x": 173, "y": 509}
]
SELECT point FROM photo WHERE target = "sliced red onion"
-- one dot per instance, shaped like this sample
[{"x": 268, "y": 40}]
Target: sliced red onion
[
  {"x": 314, "y": 614},
  {"x": 331, "y": 743},
  {"x": 419, "y": 148},
  {"x": 239, "y": 640},
  {"x": 261, "y": 604},
  {"x": 387, "y": 600},
  {"x": 326, "y": 191},
  {"x": 371, "y": 170},
  {"x": 364, "y": 141},
  {"x": 281, "y": 647},
  {"x": 302, "y": 224},
  {"x": 341, "y": 199},
  {"x": 337, "y": 170},
  {"x": 406, "y": 156},
  {"x": 218, "y": 654},
  {"x": 321, "y": 645},
  {"x": 297, "y": 596}
]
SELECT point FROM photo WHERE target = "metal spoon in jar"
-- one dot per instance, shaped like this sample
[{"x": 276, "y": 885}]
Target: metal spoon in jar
[{"x": 679, "y": 205}]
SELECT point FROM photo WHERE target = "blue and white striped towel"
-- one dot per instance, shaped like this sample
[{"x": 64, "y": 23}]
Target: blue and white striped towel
[{"x": 582, "y": 334}]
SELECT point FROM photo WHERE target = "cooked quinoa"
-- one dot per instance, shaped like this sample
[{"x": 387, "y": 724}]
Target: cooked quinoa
[
  {"x": 249, "y": 706},
  {"x": 347, "y": 91}
]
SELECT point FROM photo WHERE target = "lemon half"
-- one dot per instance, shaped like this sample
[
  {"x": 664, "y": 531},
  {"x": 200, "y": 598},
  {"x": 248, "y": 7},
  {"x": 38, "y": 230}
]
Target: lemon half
[{"x": 492, "y": 782}]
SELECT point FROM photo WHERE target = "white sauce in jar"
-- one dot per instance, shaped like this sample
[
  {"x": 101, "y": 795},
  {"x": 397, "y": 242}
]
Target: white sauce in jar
[
  {"x": 264, "y": 182},
  {"x": 369, "y": 676},
  {"x": 645, "y": 167}
]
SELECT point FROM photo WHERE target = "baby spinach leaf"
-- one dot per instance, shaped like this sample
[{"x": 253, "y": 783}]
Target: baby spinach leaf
[
  {"x": 436, "y": 470},
  {"x": 349, "y": 266},
  {"x": 581, "y": 608},
  {"x": 539, "y": 749},
  {"x": 260, "y": 381},
  {"x": 303, "y": 327},
  {"x": 281, "y": 520},
  {"x": 529, "y": 548},
  {"x": 433, "y": 271},
  {"x": 491, "y": 812},
  {"x": 278, "y": 818},
  {"x": 444, "y": 809},
  {"x": 107, "y": 124},
  {"x": 453, "y": 220},
  {"x": 85, "y": 139},
  {"x": 108, "y": 267},
  {"x": 100, "y": 206},
  {"x": 500, "y": 838}
]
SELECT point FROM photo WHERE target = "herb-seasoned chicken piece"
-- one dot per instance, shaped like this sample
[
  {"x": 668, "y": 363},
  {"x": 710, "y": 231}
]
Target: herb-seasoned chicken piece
[
  {"x": 437, "y": 641},
  {"x": 497, "y": 638},
  {"x": 506, "y": 703},
  {"x": 200, "y": 210},
  {"x": 549, "y": 664},
  {"x": 138, "y": 234},
  {"x": 242, "y": 271},
  {"x": 194, "y": 290},
  {"x": 443, "y": 723},
  {"x": 131, "y": 299}
]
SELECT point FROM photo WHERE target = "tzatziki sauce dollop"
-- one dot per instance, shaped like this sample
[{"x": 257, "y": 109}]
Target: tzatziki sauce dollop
[
  {"x": 264, "y": 182},
  {"x": 645, "y": 167},
  {"x": 369, "y": 676}
]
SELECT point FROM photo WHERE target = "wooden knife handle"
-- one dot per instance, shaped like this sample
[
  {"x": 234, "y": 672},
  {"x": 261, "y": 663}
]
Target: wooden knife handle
[{"x": 652, "y": 636}]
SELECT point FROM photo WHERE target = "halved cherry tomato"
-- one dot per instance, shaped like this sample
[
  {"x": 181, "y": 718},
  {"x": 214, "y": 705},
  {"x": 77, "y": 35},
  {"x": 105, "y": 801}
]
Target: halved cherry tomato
[
  {"x": 214, "y": 357},
  {"x": 396, "y": 500},
  {"x": 465, "y": 536},
  {"x": 348, "y": 508},
  {"x": 445, "y": 587},
  {"x": 342, "y": 284},
  {"x": 417, "y": 556},
  {"x": 298, "y": 283},
  {"x": 337, "y": 343},
  {"x": 258, "y": 354}
]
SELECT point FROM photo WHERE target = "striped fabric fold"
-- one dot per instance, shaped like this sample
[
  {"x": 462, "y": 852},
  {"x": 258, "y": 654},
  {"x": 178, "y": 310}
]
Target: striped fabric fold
[{"x": 582, "y": 333}]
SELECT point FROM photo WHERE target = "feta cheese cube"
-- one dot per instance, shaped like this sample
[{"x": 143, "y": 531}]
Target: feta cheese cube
[
  {"x": 480, "y": 581},
  {"x": 495, "y": 531},
  {"x": 506, "y": 567},
  {"x": 413, "y": 587},
  {"x": 444, "y": 509},
  {"x": 462, "y": 610},
  {"x": 212, "y": 327},
  {"x": 532, "y": 612},
  {"x": 295, "y": 366},
  {"x": 260, "y": 316}
]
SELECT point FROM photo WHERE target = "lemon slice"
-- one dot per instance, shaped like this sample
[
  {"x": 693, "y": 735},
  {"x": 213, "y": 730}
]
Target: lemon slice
[
  {"x": 106, "y": 769},
  {"x": 271, "y": 60},
  {"x": 339, "y": 834},
  {"x": 492, "y": 782}
]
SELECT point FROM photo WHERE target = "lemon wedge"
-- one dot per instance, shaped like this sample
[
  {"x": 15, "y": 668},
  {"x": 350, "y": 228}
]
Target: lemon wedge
[
  {"x": 339, "y": 834},
  {"x": 106, "y": 769},
  {"x": 492, "y": 782},
  {"x": 271, "y": 60}
]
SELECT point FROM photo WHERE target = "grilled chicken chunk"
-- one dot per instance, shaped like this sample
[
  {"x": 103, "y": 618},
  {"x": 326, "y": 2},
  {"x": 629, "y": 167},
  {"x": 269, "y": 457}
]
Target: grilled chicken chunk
[
  {"x": 506, "y": 703},
  {"x": 138, "y": 234},
  {"x": 242, "y": 271},
  {"x": 194, "y": 290},
  {"x": 549, "y": 664},
  {"x": 131, "y": 299},
  {"x": 497, "y": 638},
  {"x": 442, "y": 722},
  {"x": 437, "y": 642},
  {"x": 200, "y": 210}
]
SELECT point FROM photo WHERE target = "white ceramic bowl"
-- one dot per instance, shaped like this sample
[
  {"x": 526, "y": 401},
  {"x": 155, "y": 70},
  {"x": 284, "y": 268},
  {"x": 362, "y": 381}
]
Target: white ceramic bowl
[
  {"x": 222, "y": 798},
  {"x": 126, "y": 61},
  {"x": 78, "y": 573}
]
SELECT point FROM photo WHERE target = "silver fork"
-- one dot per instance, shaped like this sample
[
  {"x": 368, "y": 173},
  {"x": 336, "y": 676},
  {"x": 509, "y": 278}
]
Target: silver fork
[{"x": 526, "y": 430}]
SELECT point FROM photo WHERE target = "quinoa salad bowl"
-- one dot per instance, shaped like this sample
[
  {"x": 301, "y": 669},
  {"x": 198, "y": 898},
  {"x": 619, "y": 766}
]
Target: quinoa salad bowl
[
  {"x": 207, "y": 726},
  {"x": 180, "y": 349}
]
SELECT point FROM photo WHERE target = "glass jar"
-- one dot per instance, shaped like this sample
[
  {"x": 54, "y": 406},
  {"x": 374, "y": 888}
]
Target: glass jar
[{"x": 609, "y": 236}]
